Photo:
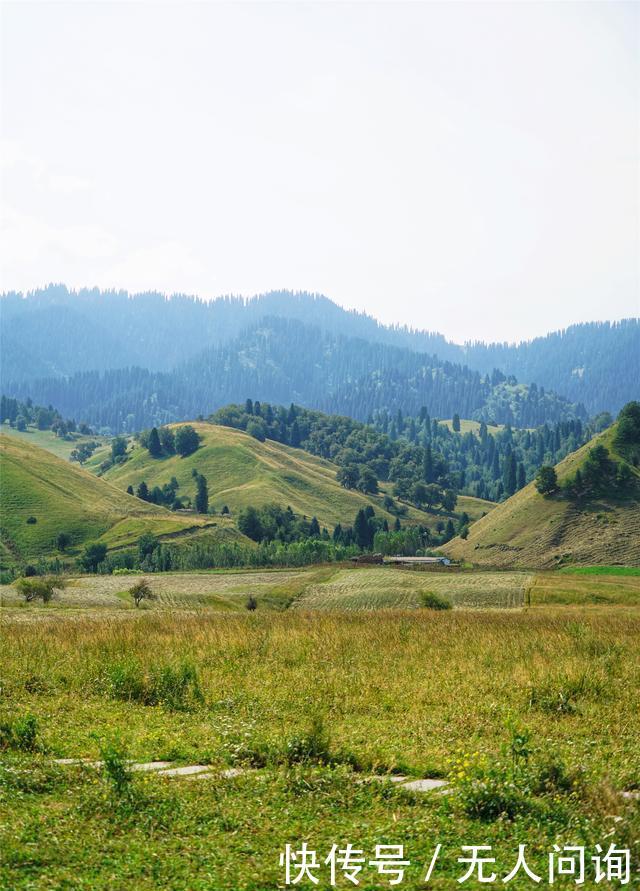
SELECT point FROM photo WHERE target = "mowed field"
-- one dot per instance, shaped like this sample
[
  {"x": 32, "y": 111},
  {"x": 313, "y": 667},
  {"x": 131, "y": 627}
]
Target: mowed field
[
  {"x": 530, "y": 715},
  {"x": 331, "y": 587},
  {"x": 385, "y": 587}
]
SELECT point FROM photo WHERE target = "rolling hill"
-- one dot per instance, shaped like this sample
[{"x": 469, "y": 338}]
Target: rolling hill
[
  {"x": 530, "y": 530},
  {"x": 60, "y": 497},
  {"x": 242, "y": 471}
]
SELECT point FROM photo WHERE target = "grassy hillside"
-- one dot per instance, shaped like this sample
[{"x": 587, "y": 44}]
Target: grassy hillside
[
  {"x": 62, "y": 497},
  {"x": 529, "y": 530},
  {"x": 46, "y": 439},
  {"x": 467, "y": 426},
  {"x": 242, "y": 471}
]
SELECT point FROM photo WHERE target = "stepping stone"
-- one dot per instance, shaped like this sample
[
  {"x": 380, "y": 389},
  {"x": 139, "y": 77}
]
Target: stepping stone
[
  {"x": 189, "y": 771},
  {"x": 424, "y": 785},
  {"x": 232, "y": 772},
  {"x": 383, "y": 778},
  {"x": 150, "y": 765},
  {"x": 133, "y": 765},
  {"x": 228, "y": 774}
]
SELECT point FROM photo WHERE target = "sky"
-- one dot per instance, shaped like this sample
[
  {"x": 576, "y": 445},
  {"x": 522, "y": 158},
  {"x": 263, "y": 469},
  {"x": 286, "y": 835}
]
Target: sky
[{"x": 468, "y": 168}]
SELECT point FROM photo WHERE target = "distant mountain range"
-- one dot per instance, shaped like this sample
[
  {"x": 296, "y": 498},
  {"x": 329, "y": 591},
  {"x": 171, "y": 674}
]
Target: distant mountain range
[{"x": 124, "y": 361}]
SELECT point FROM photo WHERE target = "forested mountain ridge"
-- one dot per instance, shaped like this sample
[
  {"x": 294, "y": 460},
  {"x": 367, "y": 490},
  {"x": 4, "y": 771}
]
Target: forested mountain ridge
[
  {"x": 282, "y": 361},
  {"x": 54, "y": 332}
]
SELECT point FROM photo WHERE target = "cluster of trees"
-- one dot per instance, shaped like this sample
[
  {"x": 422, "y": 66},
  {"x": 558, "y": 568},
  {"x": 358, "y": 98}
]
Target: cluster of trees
[
  {"x": 83, "y": 451},
  {"x": 209, "y": 553},
  {"x": 363, "y": 455},
  {"x": 274, "y": 523},
  {"x": 163, "y": 442},
  {"x": 281, "y": 538},
  {"x": 24, "y": 414},
  {"x": 278, "y": 358},
  {"x": 600, "y": 474},
  {"x": 167, "y": 495},
  {"x": 489, "y": 463}
]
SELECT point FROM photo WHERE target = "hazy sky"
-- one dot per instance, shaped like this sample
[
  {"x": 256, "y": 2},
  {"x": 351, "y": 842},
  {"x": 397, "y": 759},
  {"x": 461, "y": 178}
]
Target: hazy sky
[{"x": 471, "y": 168}]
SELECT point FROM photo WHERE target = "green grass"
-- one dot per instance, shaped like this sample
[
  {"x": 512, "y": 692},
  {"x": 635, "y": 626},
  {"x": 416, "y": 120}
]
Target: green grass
[
  {"x": 430, "y": 693},
  {"x": 601, "y": 570},
  {"x": 242, "y": 471},
  {"x": 536, "y": 532},
  {"x": 585, "y": 589},
  {"x": 47, "y": 440},
  {"x": 65, "y": 498}
]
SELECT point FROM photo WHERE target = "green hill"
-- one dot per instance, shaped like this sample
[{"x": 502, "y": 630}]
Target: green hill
[
  {"x": 242, "y": 471},
  {"x": 61, "y": 497},
  {"x": 535, "y": 531}
]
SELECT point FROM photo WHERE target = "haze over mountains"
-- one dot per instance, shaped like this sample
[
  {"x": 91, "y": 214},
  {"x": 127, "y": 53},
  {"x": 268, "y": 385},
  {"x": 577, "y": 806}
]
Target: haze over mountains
[{"x": 125, "y": 362}]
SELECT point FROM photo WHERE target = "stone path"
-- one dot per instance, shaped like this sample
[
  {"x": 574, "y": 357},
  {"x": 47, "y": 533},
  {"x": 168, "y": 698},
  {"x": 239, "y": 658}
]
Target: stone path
[{"x": 207, "y": 771}]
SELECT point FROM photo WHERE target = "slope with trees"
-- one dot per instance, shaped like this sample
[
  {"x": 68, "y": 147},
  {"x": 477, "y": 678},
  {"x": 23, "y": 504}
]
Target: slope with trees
[{"x": 586, "y": 512}]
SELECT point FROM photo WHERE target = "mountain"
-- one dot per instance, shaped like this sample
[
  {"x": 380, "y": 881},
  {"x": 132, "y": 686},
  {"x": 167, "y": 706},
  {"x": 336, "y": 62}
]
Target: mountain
[
  {"x": 242, "y": 471},
  {"x": 282, "y": 361},
  {"x": 598, "y": 527},
  {"x": 54, "y": 332},
  {"x": 43, "y": 495}
]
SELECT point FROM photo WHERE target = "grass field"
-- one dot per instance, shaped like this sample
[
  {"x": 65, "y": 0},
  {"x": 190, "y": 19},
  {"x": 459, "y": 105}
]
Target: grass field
[
  {"x": 530, "y": 714},
  {"x": 242, "y": 471}
]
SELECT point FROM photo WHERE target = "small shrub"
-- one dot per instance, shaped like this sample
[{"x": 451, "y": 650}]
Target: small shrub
[
  {"x": 561, "y": 695},
  {"x": 252, "y": 603},
  {"x": 518, "y": 782},
  {"x": 63, "y": 541},
  {"x": 176, "y": 687},
  {"x": 311, "y": 747},
  {"x": 429, "y": 600},
  {"x": 31, "y": 521},
  {"x": 116, "y": 769},
  {"x": 39, "y": 588},
  {"x": 141, "y": 591},
  {"x": 20, "y": 734}
]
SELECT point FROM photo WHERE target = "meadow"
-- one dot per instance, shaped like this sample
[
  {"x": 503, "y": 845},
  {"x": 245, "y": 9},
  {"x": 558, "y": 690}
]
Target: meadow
[{"x": 530, "y": 714}]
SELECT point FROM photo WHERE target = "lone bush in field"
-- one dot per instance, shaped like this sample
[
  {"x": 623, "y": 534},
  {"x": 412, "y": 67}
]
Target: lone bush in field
[
  {"x": 116, "y": 770},
  {"x": 252, "y": 603},
  {"x": 310, "y": 747},
  {"x": 35, "y": 588},
  {"x": 20, "y": 734},
  {"x": 429, "y": 600},
  {"x": 141, "y": 591},
  {"x": 174, "y": 686}
]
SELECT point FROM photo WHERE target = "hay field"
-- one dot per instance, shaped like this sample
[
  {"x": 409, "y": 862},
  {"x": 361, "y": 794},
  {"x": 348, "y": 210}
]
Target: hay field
[{"x": 384, "y": 587}]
